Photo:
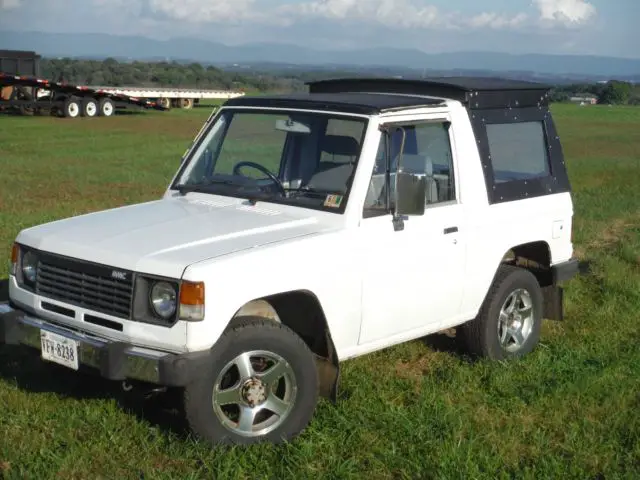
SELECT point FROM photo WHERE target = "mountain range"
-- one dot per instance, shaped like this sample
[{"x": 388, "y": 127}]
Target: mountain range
[{"x": 96, "y": 45}]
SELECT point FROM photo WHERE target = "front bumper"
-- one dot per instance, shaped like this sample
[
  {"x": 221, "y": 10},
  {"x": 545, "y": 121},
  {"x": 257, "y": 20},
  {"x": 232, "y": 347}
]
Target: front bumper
[{"x": 111, "y": 360}]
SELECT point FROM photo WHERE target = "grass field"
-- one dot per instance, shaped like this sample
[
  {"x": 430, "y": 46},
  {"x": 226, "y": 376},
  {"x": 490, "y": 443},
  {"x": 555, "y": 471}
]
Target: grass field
[{"x": 420, "y": 410}]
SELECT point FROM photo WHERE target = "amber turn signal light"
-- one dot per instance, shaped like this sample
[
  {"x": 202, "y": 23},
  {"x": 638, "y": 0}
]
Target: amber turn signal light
[
  {"x": 15, "y": 253},
  {"x": 192, "y": 301},
  {"x": 192, "y": 293}
]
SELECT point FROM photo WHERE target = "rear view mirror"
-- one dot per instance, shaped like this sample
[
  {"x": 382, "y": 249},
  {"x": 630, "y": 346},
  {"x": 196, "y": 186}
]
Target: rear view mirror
[{"x": 292, "y": 126}]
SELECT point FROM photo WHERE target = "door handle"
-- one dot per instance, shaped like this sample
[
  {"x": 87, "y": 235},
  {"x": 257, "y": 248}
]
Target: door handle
[{"x": 450, "y": 230}]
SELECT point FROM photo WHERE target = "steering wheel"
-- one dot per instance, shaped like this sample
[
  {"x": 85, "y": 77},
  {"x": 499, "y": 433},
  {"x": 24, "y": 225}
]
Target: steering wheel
[{"x": 257, "y": 166}]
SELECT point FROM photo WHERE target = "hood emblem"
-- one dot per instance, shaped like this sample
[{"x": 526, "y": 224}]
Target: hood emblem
[{"x": 118, "y": 275}]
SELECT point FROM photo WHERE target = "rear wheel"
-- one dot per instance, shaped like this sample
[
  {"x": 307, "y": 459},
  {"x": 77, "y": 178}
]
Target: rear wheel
[
  {"x": 186, "y": 103},
  {"x": 89, "y": 107},
  {"x": 106, "y": 107},
  {"x": 262, "y": 385},
  {"x": 510, "y": 320}
]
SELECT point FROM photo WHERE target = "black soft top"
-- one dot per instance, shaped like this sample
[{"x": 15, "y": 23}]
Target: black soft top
[
  {"x": 351, "y": 102},
  {"x": 474, "y": 92},
  {"x": 466, "y": 84},
  {"x": 376, "y": 95}
]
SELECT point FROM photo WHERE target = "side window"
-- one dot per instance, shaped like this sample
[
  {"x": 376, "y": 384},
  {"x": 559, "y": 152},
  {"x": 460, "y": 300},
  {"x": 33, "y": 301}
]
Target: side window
[
  {"x": 426, "y": 149},
  {"x": 433, "y": 144},
  {"x": 518, "y": 151}
]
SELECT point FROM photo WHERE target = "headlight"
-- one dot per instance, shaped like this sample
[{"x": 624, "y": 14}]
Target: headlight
[
  {"x": 30, "y": 267},
  {"x": 163, "y": 299}
]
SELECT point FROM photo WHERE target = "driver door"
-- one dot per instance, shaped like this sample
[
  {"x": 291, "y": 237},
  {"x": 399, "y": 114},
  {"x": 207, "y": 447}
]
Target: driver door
[{"x": 413, "y": 277}]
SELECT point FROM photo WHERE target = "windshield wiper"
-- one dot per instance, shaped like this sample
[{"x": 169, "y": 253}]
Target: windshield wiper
[
  {"x": 315, "y": 191},
  {"x": 201, "y": 187},
  {"x": 262, "y": 196},
  {"x": 206, "y": 188}
]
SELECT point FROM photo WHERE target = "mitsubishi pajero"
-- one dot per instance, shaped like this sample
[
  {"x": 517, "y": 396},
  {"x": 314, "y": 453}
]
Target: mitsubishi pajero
[{"x": 303, "y": 230}]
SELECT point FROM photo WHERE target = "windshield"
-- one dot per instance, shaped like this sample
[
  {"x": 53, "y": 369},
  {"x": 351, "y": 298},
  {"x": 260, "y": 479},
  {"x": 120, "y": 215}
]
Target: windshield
[{"x": 297, "y": 158}]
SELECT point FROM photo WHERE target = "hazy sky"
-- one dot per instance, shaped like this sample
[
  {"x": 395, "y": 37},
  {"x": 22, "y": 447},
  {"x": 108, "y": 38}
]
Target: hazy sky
[{"x": 602, "y": 27}]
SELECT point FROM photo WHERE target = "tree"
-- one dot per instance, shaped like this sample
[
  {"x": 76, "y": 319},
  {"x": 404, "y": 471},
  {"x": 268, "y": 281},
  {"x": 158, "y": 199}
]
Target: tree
[{"x": 616, "y": 93}]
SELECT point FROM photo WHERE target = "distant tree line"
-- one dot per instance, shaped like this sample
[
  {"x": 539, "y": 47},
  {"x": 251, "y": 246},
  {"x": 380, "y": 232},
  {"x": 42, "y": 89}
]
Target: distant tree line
[
  {"x": 110, "y": 72},
  {"x": 610, "y": 93}
]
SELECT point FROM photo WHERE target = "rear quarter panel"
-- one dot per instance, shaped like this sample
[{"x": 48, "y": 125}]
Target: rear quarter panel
[{"x": 494, "y": 230}]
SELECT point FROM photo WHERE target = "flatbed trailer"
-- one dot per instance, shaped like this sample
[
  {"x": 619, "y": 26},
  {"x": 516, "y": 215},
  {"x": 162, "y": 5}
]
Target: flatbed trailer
[
  {"x": 172, "y": 97},
  {"x": 23, "y": 91},
  {"x": 36, "y": 95},
  {"x": 32, "y": 95}
]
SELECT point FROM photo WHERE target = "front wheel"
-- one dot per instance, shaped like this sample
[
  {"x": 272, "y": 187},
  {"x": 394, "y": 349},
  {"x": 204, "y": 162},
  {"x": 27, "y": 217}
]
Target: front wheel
[
  {"x": 510, "y": 320},
  {"x": 71, "y": 107},
  {"x": 261, "y": 385}
]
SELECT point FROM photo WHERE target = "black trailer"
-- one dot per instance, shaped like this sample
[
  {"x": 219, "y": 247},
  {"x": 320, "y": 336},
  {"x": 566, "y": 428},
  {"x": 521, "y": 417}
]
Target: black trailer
[
  {"x": 23, "y": 92},
  {"x": 16, "y": 63},
  {"x": 64, "y": 99}
]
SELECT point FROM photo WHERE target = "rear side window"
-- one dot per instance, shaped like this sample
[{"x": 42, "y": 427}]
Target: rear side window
[{"x": 518, "y": 151}]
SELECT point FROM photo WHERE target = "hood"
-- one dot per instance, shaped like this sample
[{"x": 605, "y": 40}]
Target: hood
[{"x": 163, "y": 237}]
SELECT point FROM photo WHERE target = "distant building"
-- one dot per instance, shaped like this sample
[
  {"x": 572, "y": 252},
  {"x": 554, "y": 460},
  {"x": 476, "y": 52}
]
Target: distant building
[{"x": 584, "y": 100}]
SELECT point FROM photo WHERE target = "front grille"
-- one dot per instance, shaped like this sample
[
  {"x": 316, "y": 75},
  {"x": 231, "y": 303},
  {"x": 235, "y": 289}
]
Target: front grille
[{"x": 85, "y": 285}]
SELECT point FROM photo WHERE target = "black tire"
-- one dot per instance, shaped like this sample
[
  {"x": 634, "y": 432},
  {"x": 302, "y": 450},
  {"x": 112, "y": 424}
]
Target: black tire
[
  {"x": 89, "y": 107},
  {"x": 72, "y": 108},
  {"x": 165, "y": 103},
  {"x": 24, "y": 94},
  {"x": 106, "y": 107},
  {"x": 244, "y": 335},
  {"x": 482, "y": 335}
]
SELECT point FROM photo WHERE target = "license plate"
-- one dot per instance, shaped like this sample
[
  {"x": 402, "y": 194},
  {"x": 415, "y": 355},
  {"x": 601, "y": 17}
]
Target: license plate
[{"x": 59, "y": 349}]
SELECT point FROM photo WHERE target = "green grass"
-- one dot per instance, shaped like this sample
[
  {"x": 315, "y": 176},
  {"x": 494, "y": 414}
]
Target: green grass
[{"x": 419, "y": 410}]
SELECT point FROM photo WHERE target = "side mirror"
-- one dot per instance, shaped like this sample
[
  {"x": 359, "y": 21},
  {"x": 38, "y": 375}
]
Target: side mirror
[
  {"x": 410, "y": 190},
  {"x": 410, "y": 193}
]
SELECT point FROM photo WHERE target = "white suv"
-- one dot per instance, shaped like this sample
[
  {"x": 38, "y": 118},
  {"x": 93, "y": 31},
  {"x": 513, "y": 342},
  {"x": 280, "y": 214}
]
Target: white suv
[{"x": 303, "y": 230}]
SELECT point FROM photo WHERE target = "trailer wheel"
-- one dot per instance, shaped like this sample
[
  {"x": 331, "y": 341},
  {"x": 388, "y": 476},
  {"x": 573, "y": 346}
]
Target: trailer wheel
[
  {"x": 106, "y": 107},
  {"x": 187, "y": 103},
  {"x": 89, "y": 107},
  {"x": 71, "y": 108},
  {"x": 25, "y": 95},
  {"x": 165, "y": 103}
]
